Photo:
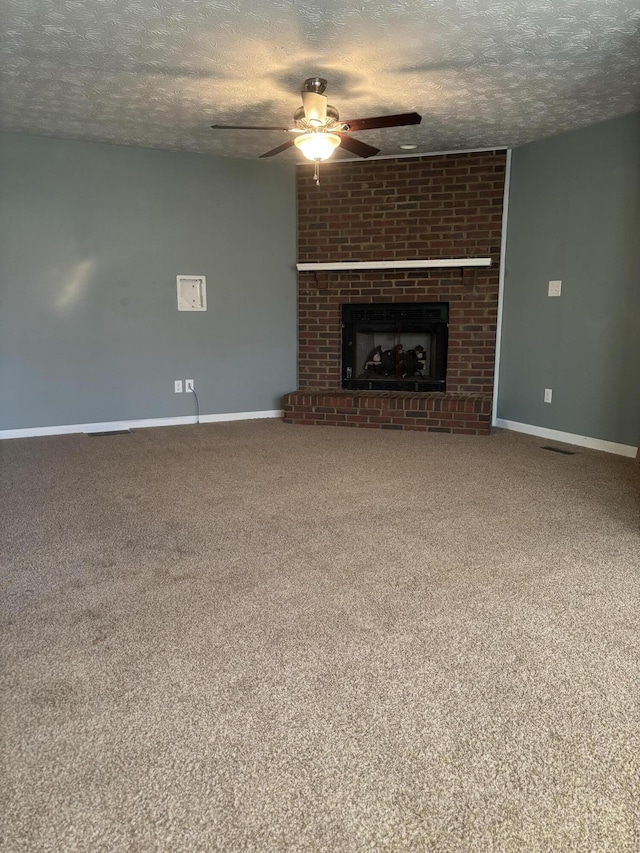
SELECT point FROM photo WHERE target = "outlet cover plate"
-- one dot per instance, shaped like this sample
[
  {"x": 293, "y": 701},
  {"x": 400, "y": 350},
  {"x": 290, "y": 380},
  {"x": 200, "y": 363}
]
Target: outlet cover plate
[
  {"x": 192, "y": 292},
  {"x": 555, "y": 288}
]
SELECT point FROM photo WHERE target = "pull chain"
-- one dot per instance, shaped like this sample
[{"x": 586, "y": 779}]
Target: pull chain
[{"x": 316, "y": 172}]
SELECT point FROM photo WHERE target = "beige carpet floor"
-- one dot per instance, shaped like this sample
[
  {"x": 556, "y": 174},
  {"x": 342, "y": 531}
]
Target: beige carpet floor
[{"x": 263, "y": 637}]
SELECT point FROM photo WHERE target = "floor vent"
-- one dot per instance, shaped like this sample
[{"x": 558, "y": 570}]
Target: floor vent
[
  {"x": 558, "y": 450},
  {"x": 109, "y": 432}
]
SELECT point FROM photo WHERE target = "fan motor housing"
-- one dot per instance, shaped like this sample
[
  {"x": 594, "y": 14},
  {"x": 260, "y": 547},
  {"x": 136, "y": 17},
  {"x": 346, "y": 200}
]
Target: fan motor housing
[{"x": 332, "y": 113}]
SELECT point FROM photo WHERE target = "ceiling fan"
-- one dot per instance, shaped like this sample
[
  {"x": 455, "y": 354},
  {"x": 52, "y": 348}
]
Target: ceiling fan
[{"x": 318, "y": 129}]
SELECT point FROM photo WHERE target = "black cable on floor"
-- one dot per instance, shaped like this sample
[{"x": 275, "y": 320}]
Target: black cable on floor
[{"x": 197, "y": 405}]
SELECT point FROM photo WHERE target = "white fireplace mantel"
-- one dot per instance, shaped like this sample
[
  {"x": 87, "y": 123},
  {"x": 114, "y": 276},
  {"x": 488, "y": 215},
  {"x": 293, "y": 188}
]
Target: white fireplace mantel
[{"x": 394, "y": 265}]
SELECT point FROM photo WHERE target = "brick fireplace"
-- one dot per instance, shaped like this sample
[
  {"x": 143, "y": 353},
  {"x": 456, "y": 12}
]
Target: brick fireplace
[{"x": 441, "y": 207}]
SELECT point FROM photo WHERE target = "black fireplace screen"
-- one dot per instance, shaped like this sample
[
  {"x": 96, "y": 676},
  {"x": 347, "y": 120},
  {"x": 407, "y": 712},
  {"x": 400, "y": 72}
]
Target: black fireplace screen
[{"x": 395, "y": 346}]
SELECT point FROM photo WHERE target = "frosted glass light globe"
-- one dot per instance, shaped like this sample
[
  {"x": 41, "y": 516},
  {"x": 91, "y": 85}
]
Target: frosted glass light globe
[{"x": 317, "y": 146}]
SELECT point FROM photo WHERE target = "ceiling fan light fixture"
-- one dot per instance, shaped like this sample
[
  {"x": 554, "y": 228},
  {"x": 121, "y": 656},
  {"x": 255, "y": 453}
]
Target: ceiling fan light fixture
[{"x": 317, "y": 146}]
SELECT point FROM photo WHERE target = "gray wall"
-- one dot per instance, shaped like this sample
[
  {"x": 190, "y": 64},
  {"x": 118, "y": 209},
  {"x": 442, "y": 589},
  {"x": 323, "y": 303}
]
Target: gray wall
[
  {"x": 574, "y": 215},
  {"x": 91, "y": 240}
]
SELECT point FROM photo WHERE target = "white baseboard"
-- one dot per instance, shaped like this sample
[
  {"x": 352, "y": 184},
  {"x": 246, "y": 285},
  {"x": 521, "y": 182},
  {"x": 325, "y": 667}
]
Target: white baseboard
[
  {"x": 112, "y": 426},
  {"x": 569, "y": 438}
]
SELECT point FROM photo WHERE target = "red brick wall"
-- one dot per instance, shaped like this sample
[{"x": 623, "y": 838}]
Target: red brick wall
[{"x": 431, "y": 207}]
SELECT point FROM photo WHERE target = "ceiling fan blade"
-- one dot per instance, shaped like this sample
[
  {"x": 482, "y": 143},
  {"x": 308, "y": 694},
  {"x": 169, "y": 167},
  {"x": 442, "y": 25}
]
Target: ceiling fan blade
[
  {"x": 280, "y": 148},
  {"x": 315, "y": 108},
  {"x": 356, "y": 146},
  {"x": 399, "y": 120},
  {"x": 245, "y": 127}
]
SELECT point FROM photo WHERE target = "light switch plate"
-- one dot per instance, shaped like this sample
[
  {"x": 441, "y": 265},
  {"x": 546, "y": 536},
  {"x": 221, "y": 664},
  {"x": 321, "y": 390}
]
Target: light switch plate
[
  {"x": 192, "y": 292},
  {"x": 555, "y": 287}
]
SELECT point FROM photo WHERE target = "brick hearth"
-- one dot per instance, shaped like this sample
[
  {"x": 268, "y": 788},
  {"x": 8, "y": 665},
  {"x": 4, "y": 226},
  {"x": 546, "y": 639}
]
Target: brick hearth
[
  {"x": 459, "y": 413},
  {"x": 431, "y": 207}
]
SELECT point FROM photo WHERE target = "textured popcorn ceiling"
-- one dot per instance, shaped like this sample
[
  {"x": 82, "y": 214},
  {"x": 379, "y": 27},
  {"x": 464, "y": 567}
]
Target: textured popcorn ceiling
[{"x": 157, "y": 73}]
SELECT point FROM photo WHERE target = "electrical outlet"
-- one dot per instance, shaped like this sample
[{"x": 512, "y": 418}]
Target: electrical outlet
[
  {"x": 548, "y": 393},
  {"x": 188, "y": 385},
  {"x": 177, "y": 386},
  {"x": 555, "y": 288}
]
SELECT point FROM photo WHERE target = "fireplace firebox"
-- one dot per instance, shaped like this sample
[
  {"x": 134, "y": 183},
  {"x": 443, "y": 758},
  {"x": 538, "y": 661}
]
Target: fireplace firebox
[{"x": 395, "y": 346}]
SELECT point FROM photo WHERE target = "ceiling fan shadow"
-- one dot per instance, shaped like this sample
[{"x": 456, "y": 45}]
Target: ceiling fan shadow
[{"x": 175, "y": 71}]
